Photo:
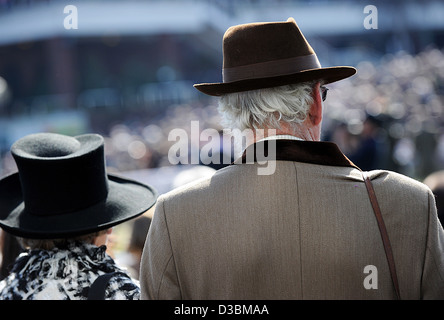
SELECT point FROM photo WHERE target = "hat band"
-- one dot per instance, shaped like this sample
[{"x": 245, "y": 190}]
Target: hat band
[{"x": 271, "y": 68}]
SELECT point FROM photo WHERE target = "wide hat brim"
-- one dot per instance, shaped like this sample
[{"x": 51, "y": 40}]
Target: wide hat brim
[
  {"x": 326, "y": 75},
  {"x": 126, "y": 199}
]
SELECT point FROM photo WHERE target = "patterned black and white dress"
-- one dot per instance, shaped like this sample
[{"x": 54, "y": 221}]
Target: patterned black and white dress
[{"x": 66, "y": 274}]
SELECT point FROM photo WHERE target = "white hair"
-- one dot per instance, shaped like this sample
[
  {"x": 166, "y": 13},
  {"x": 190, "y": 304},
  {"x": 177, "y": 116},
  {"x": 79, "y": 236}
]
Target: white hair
[{"x": 266, "y": 108}]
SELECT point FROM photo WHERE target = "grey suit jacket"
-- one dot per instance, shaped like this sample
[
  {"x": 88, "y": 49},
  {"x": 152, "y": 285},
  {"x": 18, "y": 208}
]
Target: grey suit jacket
[{"x": 305, "y": 232}]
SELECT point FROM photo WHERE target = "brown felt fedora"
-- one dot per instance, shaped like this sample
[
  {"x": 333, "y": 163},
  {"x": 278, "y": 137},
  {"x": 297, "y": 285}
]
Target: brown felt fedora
[{"x": 269, "y": 54}]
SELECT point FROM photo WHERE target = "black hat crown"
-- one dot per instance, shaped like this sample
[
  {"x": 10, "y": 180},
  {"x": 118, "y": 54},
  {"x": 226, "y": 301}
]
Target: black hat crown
[{"x": 63, "y": 174}]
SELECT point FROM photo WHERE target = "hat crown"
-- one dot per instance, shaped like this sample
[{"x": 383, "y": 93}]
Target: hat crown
[
  {"x": 60, "y": 174},
  {"x": 261, "y": 42},
  {"x": 48, "y": 146}
]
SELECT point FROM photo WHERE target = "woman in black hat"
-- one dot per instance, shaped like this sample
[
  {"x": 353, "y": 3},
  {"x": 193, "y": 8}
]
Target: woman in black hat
[{"x": 62, "y": 205}]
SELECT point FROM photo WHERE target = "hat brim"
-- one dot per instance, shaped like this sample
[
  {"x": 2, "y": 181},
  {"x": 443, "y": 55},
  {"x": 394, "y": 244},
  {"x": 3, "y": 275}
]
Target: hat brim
[
  {"x": 327, "y": 75},
  {"x": 126, "y": 199}
]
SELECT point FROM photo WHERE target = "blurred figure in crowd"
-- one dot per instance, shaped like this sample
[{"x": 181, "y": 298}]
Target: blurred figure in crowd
[
  {"x": 367, "y": 152},
  {"x": 304, "y": 229},
  {"x": 10, "y": 250},
  {"x": 139, "y": 231},
  {"x": 62, "y": 205}
]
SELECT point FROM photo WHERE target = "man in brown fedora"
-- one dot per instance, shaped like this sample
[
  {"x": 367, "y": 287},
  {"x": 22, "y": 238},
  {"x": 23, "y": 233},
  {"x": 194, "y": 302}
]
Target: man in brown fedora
[{"x": 317, "y": 227}]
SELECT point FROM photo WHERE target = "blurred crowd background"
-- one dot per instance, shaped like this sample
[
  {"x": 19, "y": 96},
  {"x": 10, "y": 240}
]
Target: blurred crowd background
[{"x": 127, "y": 72}]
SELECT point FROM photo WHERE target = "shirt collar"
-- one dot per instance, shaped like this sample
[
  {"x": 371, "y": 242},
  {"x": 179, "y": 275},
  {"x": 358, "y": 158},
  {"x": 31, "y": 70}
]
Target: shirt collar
[{"x": 281, "y": 137}]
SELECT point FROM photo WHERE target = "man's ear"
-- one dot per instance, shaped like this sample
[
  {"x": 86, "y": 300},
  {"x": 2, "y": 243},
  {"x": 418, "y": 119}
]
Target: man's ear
[{"x": 315, "y": 112}]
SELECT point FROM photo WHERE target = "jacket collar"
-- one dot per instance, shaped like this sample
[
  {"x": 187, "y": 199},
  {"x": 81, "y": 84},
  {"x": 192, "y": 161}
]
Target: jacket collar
[{"x": 314, "y": 152}]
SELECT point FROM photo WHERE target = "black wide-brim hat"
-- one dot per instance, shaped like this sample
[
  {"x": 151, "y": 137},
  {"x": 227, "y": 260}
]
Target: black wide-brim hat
[
  {"x": 62, "y": 190},
  {"x": 269, "y": 54}
]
